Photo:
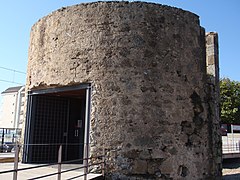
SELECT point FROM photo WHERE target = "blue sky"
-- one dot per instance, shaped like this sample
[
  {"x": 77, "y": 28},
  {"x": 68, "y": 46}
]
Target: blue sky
[{"x": 17, "y": 17}]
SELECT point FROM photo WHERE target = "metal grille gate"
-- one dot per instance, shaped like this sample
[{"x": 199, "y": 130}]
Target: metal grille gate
[
  {"x": 51, "y": 120},
  {"x": 48, "y": 128}
]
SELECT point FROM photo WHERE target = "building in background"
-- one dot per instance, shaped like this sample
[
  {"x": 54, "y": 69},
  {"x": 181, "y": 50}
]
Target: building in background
[{"x": 12, "y": 106}]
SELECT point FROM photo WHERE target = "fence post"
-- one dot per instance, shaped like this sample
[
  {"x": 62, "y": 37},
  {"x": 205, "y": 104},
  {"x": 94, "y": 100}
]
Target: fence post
[
  {"x": 2, "y": 138},
  {"x": 85, "y": 161},
  {"x": 238, "y": 146},
  {"x": 16, "y": 159},
  {"x": 103, "y": 163},
  {"x": 59, "y": 162}
]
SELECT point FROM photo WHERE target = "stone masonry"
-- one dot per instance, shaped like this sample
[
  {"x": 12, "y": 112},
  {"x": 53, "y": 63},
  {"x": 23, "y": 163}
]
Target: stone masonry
[
  {"x": 212, "y": 62},
  {"x": 152, "y": 107}
]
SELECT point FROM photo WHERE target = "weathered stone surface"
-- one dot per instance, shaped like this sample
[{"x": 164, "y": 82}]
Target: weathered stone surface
[
  {"x": 213, "y": 99},
  {"x": 147, "y": 67},
  {"x": 139, "y": 167}
]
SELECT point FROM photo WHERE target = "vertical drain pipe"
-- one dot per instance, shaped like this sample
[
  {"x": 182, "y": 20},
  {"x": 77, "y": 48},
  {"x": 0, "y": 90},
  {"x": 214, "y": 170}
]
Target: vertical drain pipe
[
  {"x": 87, "y": 130},
  {"x": 18, "y": 108}
]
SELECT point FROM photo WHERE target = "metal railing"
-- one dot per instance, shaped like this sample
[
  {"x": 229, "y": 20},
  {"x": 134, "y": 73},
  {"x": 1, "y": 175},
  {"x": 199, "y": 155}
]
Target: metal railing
[
  {"x": 8, "y": 138},
  {"x": 231, "y": 148},
  {"x": 86, "y": 165}
]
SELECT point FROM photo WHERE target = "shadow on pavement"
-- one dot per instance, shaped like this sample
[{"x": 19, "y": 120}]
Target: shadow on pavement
[
  {"x": 231, "y": 177},
  {"x": 231, "y": 163},
  {"x": 232, "y": 168}
]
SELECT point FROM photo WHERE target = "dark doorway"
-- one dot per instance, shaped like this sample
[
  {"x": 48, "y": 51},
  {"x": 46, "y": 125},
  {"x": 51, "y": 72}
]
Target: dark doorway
[
  {"x": 76, "y": 125},
  {"x": 54, "y": 117}
]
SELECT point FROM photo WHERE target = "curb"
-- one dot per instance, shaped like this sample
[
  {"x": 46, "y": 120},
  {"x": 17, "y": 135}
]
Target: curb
[{"x": 6, "y": 159}]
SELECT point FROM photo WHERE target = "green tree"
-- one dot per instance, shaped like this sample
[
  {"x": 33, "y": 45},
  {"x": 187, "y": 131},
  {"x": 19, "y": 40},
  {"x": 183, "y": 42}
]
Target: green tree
[{"x": 230, "y": 101}]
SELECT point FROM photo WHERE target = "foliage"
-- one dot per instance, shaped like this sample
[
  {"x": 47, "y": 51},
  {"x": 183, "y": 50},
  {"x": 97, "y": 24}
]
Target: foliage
[{"x": 230, "y": 101}]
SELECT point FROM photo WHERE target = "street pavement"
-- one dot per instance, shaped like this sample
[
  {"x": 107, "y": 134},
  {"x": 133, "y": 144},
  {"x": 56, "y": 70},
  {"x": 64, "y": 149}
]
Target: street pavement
[{"x": 33, "y": 173}]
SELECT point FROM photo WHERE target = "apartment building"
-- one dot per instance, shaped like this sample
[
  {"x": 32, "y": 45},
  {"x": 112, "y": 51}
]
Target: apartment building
[{"x": 12, "y": 106}]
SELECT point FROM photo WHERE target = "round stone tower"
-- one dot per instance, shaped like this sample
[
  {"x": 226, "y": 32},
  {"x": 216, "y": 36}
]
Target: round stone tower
[{"x": 145, "y": 64}]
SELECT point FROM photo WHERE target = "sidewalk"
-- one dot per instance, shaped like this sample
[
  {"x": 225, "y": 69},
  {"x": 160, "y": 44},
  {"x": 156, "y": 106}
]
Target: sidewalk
[
  {"x": 6, "y": 157},
  {"x": 33, "y": 173}
]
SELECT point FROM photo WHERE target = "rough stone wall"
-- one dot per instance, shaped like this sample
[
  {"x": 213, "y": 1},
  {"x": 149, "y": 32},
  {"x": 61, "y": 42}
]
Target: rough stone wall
[
  {"x": 212, "y": 59},
  {"x": 147, "y": 66}
]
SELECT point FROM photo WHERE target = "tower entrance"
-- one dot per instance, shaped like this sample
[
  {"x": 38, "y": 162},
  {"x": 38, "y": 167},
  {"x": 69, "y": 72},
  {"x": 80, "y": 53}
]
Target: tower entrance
[{"x": 56, "y": 117}]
